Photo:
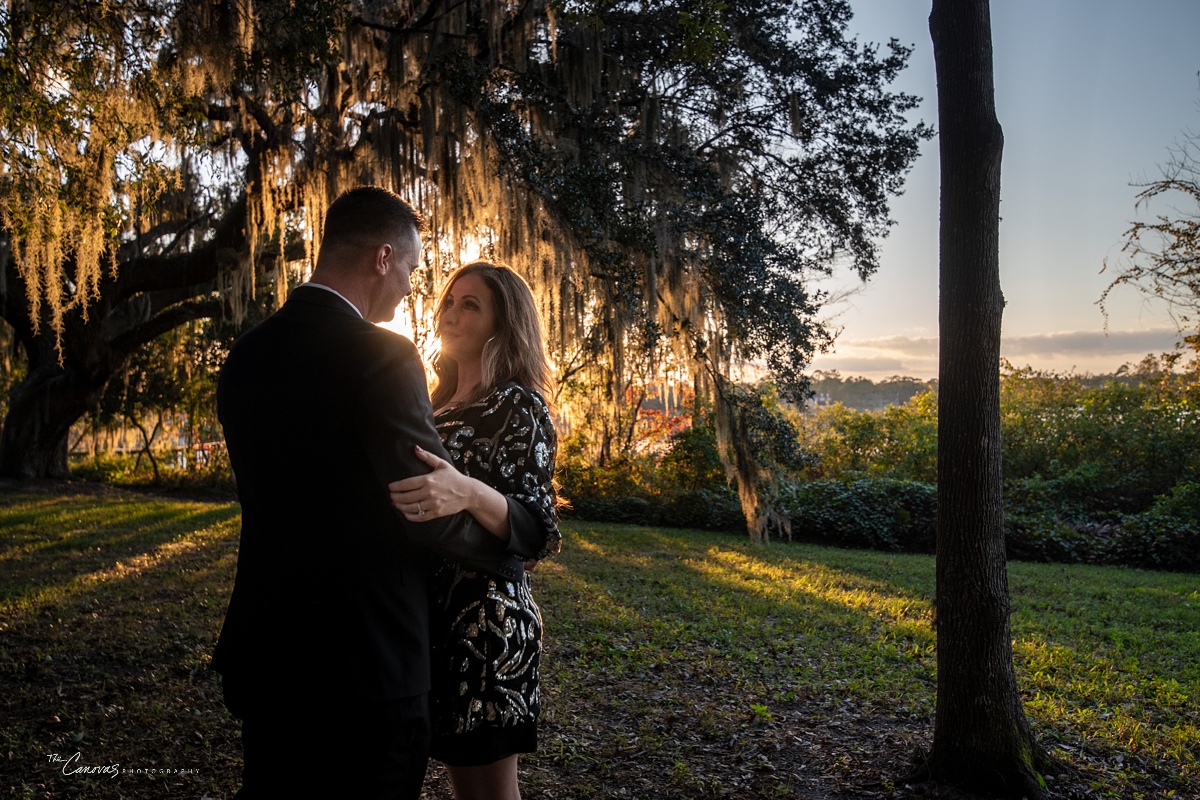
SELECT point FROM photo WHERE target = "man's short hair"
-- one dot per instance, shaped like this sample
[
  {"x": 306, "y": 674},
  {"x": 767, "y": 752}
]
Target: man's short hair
[{"x": 366, "y": 217}]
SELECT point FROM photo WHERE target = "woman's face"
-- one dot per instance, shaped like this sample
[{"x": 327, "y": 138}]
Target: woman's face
[{"x": 468, "y": 318}]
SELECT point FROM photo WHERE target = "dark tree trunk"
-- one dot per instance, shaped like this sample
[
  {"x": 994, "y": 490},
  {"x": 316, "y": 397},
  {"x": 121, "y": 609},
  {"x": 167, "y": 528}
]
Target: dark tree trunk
[
  {"x": 53, "y": 396},
  {"x": 44, "y": 405},
  {"x": 982, "y": 741},
  {"x": 149, "y": 297},
  {"x": 41, "y": 411}
]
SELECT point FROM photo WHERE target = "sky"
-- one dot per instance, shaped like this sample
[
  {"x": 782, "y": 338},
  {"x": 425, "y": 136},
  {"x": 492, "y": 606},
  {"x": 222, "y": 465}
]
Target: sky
[{"x": 1091, "y": 95}]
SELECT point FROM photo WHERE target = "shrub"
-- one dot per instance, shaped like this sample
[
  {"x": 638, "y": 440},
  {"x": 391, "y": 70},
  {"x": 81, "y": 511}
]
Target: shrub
[
  {"x": 1047, "y": 521},
  {"x": 874, "y": 513},
  {"x": 110, "y": 468},
  {"x": 633, "y": 510},
  {"x": 691, "y": 462},
  {"x": 212, "y": 477},
  {"x": 707, "y": 509},
  {"x": 1165, "y": 536},
  {"x": 895, "y": 442},
  {"x": 1036, "y": 505},
  {"x": 1055, "y": 519},
  {"x": 1046, "y": 536},
  {"x": 1109, "y": 444},
  {"x": 702, "y": 509},
  {"x": 685, "y": 488}
]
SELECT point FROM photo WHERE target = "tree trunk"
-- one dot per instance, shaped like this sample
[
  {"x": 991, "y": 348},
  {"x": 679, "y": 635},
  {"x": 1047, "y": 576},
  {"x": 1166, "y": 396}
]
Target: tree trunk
[
  {"x": 53, "y": 396},
  {"x": 148, "y": 297},
  {"x": 41, "y": 411},
  {"x": 147, "y": 443},
  {"x": 982, "y": 741}
]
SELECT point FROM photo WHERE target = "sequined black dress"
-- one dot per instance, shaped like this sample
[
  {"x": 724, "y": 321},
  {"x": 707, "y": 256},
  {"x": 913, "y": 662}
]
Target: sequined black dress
[{"x": 487, "y": 633}]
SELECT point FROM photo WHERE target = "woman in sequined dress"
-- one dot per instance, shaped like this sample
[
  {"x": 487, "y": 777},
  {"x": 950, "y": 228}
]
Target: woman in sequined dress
[{"x": 486, "y": 628}]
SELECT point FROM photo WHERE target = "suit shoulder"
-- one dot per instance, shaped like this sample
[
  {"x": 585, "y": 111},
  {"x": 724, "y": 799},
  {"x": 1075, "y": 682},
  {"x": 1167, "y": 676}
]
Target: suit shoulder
[
  {"x": 381, "y": 340},
  {"x": 249, "y": 343}
]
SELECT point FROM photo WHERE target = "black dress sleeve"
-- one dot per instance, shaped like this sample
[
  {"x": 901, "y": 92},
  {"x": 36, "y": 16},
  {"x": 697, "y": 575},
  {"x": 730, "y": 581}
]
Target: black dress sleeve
[{"x": 522, "y": 468}]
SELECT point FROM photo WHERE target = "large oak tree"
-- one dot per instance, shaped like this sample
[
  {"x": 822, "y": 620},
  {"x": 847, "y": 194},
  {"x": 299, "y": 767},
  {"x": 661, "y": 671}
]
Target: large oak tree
[{"x": 668, "y": 175}]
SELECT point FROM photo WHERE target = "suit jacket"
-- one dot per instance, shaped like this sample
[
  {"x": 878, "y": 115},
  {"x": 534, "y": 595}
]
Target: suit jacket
[{"x": 321, "y": 410}]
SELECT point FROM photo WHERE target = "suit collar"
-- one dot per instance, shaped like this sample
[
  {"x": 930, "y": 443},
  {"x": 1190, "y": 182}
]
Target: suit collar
[{"x": 319, "y": 296}]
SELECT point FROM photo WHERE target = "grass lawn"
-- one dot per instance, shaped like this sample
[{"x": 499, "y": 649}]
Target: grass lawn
[{"x": 679, "y": 664}]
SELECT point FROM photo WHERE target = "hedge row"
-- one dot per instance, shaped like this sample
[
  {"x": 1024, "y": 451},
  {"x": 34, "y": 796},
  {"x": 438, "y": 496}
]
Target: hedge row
[
  {"x": 900, "y": 516},
  {"x": 1165, "y": 536},
  {"x": 703, "y": 509}
]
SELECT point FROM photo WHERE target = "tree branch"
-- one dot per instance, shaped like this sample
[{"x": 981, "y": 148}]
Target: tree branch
[
  {"x": 419, "y": 25},
  {"x": 197, "y": 266},
  {"x": 167, "y": 320}
]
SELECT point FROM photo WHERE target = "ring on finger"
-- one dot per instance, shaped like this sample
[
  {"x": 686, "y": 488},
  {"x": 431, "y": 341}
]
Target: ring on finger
[{"x": 420, "y": 511}]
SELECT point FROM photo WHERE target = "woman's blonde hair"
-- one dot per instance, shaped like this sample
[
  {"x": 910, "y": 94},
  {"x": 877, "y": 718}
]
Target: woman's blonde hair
[{"x": 517, "y": 351}]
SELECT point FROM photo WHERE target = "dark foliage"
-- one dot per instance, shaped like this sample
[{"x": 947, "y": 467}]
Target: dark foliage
[
  {"x": 1055, "y": 521},
  {"x": 700, "y": 509},
  {"x": 873, "y": 513},
  {"x": 1165, "y": 536},
  {"x": 683, "y": 488}
]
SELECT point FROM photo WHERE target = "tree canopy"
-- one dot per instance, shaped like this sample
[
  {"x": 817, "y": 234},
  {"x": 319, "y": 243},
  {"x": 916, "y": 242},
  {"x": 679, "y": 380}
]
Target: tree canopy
[{"x": 667, "y": 175}]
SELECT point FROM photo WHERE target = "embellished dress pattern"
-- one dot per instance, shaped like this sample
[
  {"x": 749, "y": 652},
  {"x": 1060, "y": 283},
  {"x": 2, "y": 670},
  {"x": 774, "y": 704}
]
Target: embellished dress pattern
[{"x": 487, "y": 632}]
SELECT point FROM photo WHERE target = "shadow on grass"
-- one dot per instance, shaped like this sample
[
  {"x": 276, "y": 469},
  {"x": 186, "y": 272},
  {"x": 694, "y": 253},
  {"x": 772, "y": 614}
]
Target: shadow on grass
[
  {"x": 52, "y": 547},
  {"x": 108, "y": 637},
  {"x": 797, "y": 625},
  {"x": 715, "y": 668}
]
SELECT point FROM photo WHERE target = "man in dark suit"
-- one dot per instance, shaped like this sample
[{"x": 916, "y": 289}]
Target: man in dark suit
[{"x": 324, "y": 650}]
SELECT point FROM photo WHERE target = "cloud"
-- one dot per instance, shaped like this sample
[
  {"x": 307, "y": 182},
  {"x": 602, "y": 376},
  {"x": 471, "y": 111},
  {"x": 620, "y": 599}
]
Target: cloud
[
  {"x": 855, "y": 365},
  {"x": 1091, "y": 343},
  {"x": 1092, "y": 351},
  {"x": 919, "y": 347},
  {"x": 1042, "y": 344}
]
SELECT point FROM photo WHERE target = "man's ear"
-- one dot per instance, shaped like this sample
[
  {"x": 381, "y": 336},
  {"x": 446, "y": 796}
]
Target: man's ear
[{"x": 383, "y": 259}]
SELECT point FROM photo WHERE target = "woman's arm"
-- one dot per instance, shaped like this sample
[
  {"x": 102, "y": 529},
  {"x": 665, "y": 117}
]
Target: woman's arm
[
  {"x": 447, "y": 491},
  {"x": 517, "y": 504},
  {"x": 533, "y": 502}
]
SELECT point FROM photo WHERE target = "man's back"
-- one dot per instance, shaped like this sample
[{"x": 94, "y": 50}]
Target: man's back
[{"x": 320, "y": 409}]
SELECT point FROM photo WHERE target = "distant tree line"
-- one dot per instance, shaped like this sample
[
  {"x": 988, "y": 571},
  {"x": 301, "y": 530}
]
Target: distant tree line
[{"x": 864, "y": 394}]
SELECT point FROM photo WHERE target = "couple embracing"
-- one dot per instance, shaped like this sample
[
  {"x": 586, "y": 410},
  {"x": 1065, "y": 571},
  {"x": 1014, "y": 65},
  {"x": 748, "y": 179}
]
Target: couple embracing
[{"x": 381, "y": 611}]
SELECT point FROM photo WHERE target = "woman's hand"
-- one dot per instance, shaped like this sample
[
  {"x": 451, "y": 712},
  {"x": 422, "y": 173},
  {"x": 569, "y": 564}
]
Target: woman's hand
[{"x": 440, "y": 493}]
